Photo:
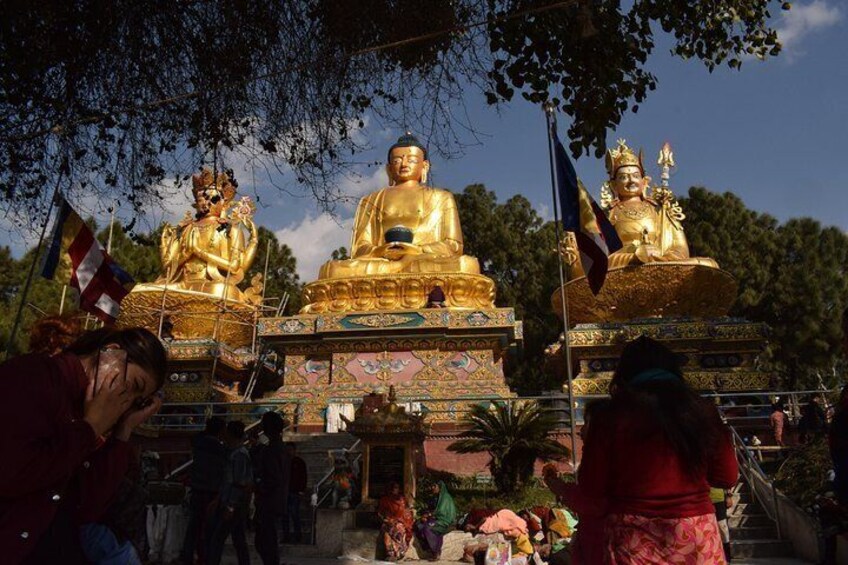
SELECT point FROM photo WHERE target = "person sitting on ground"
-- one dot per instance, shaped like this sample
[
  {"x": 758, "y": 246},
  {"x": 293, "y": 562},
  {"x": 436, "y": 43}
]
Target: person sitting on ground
[
  {"x": 67, "y": 420},
  {"x": 439, "y": 519},
  {"x": 229, "y": 513},
  {"x": 648, "y": 464},
  {"x": 397, "y": 520},
  {"x": 513, "y": 528},
  {"x": 209, "y": 458}
]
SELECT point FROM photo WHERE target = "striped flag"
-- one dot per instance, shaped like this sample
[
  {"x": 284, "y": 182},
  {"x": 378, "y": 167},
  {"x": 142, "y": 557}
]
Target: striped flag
[
  {"x": 596, "y": 237},
  {"x": 76, "y": 258}
]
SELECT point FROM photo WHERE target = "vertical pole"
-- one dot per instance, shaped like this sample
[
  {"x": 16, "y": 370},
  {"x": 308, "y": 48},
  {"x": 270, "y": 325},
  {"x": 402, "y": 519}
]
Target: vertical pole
[
  {"x": 62, "y": 301},
  {"x": 31, "y": 274},
  {"x": 551, "y": 122},
  {"x": 111, "y": 229}
]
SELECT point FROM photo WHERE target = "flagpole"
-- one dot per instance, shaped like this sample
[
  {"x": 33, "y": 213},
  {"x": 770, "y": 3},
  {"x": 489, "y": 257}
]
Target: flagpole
[
  {"x": 35, "y": 257},
  {"x": 62, "y": 302},
  {"x": 111, "y": 227},
  {"x": 549, "y": 118}
]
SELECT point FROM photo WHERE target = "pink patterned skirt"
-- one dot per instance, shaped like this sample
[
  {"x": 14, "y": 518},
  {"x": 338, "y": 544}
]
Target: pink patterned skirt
[{"x": 640, "y": 540}]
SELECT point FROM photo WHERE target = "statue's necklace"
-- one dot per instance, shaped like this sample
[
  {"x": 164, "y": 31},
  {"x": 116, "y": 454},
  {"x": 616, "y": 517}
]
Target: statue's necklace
[{"x": 635, "y": 212}]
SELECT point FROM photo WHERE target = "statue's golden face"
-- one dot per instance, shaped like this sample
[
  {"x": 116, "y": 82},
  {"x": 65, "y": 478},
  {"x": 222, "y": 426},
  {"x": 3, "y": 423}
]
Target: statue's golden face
[
  {"x": 406, "y": 164},
  {"x": 629, "y": 182},
  {"x": 210, "y": 202}
]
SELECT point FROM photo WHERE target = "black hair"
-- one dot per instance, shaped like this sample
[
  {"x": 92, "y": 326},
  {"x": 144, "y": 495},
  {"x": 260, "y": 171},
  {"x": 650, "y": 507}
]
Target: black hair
[
  {"x": 272, "y": 424},
  {"x": 689, "y": 423},
  {"x": 407, "y": 140},
  {"x": 214, "y": 425},
  {"x": 235, "y": 429},
  {"x": 142, "y": 347}
]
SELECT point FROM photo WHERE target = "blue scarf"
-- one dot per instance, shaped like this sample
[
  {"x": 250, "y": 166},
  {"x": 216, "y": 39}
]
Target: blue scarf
[{"x": 652, "y": 376}]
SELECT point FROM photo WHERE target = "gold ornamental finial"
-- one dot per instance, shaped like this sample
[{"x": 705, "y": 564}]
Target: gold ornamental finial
[
  {"x": 666, "y": 162},
  {"x": 622, "y": 156}
]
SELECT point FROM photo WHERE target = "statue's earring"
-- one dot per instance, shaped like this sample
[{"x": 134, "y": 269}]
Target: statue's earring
[
  {"x": 424, "y": 174},
  {"x": 389, "y": 174}
]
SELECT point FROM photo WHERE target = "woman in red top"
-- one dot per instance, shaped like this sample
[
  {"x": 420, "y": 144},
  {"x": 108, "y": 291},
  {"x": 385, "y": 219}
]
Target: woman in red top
[
  {"x": 649, "y": 462},
  {"x": 65, "y": 422}
]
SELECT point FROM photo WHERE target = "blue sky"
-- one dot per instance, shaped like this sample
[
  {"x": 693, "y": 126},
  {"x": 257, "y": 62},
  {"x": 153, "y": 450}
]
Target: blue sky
[{"x": 774, "y": 133}]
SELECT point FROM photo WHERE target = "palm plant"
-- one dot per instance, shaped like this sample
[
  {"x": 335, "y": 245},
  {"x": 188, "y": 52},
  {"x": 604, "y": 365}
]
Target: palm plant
[{"x": 515, "y": 435}]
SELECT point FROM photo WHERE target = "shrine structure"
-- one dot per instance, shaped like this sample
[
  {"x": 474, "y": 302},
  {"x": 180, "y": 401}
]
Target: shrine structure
[
  {"x": 654, "y": 288},
  {"x": 408, "y": 310}
]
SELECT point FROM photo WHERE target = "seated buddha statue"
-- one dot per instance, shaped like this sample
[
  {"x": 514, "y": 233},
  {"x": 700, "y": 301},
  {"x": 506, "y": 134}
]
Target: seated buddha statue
[
  {"x": 648, "y": 220},
  {"x": 406, "y": 227},
  {"x": 207, "y": 252}
]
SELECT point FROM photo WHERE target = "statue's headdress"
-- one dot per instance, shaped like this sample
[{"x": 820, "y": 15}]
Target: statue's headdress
[
  {"x": 407, "y": 140},
  {"x": 206, "y": 180},
  {"x": 622, "y": 156}
]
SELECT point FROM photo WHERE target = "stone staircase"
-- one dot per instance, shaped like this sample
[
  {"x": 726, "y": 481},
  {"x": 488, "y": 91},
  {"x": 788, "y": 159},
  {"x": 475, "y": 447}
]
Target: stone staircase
[
  {"x": 315, "y": 450},
  {"x": 752, "y": 533}
]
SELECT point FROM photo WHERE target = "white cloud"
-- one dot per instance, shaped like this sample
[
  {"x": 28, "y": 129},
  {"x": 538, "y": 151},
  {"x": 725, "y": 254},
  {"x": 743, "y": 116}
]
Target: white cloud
[
  {"x": 803, "y": 20},
  {"x": 545, "y": 212},
  {"x": 313, "y": 239},
  {"x": 355, "y": 185}
]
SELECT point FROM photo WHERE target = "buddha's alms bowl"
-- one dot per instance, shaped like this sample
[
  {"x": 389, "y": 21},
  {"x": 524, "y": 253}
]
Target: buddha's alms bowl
[{"x": 399, "y": 234}]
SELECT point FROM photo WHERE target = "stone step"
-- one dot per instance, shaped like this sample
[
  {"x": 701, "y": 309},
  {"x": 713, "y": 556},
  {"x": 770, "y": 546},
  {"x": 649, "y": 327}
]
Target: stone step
[
  {"x": 753, "y": 532},
  {"x": 761, "y": 548},
  {"x": 749, "y": 520}
]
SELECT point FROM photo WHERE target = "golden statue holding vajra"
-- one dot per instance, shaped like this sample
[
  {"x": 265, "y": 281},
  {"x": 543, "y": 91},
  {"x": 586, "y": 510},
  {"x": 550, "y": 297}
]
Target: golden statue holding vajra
[
  {"x": 653, "y": 273},
  {"x": 207, "y": 253},
  {"x": 406, "y": 241},
  {"x": 204, "y": 258}
]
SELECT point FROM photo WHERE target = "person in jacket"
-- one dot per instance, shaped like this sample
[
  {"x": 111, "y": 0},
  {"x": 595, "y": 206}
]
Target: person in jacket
[
  {"x": 67, "y": 420},
  {"x": 273, "y": 472},
  {"x": 229, "y": 514},
  {"x": 297, "y": 488},
  {"x": 649, "y": 462},
  {"x": 209, "y": 458}
]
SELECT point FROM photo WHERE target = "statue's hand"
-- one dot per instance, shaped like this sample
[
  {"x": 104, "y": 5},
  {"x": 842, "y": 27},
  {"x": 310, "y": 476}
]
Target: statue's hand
[
  {"x": 396, "y": 250},
  {"x": 169, "y": 232},
  {"x": 647, "y": 253}
]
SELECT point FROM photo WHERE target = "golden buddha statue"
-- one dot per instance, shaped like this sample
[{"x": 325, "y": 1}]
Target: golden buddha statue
[
  {"x": 204, "y": 258},
  {"x": 652, "y": 274},
  {"x": 406, "y": 241},
  {"x": 406, "y": 227},
  {"x": 207, "y": 253}
]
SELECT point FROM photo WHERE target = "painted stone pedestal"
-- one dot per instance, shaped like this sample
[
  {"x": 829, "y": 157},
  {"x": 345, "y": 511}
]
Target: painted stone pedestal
[
  {"x": 440, "y": 360},
  {"x": 719, "y": 355}
]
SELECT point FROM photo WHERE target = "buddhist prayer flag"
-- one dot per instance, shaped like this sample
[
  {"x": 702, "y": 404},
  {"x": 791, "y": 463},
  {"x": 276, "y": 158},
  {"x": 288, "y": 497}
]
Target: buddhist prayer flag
[
  {"x": 77, "y": 259},
  {"x": 581, "y": 215}
]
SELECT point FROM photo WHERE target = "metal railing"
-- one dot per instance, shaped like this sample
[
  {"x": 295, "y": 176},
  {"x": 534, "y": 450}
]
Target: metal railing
[
  {"x": 749, "y": 465},
  {"x": 316, "y": 502}
]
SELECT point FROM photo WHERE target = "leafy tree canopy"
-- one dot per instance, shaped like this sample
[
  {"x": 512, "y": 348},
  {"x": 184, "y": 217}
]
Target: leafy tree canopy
[{"x": 107, "y": 99}]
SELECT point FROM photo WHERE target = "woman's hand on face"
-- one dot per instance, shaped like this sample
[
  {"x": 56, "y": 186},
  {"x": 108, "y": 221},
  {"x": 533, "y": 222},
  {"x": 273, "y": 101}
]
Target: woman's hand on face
[
  {"x": 106, "y": 405},
  {"x": 135, "y": 417}
]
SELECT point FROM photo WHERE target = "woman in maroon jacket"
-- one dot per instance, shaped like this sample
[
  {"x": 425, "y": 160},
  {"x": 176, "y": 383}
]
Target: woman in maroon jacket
[
  {"x": 64, "y": 425},
  {"x": 649, "y": 461}
]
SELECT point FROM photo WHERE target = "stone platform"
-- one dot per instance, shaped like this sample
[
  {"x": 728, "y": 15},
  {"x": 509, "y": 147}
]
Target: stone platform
[
  {"x": 718, "y": 354},
  {"x": 444, "y": 359}
]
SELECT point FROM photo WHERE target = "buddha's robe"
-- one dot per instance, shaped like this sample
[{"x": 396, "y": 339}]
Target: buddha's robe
[{"x": 432, "y": 216}]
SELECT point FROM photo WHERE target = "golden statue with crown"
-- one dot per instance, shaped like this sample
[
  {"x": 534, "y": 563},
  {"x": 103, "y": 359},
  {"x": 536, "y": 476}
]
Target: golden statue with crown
[
  {"x": 653, "y": 274},
  {"x": 204, "y": 259}
]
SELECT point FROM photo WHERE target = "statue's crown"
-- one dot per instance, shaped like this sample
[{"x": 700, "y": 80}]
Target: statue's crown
[
  {"x": 206, "y": 179},
  {"x": 622, "y": 156}
]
